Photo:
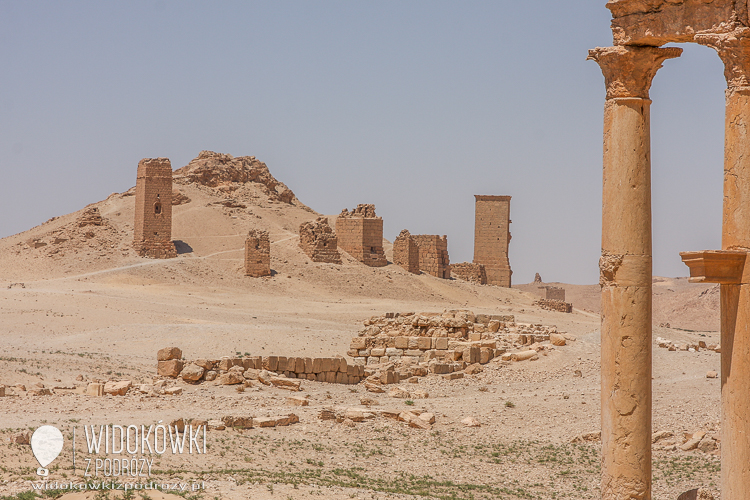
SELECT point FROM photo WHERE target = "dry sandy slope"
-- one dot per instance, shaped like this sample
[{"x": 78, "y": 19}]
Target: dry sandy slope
[{"x": 94, "y": 308}]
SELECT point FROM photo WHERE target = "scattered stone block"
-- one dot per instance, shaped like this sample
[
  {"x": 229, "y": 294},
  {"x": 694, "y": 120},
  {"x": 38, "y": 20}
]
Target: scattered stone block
[
  {"x": 453, "y": 376},
  {"x": 173, "y": 391},
  {"x": 711, "y": 374},
  {"x": 169, "y": 353},
  {"x": 230, "y": 378},
  {"x": 524, "y": 355},
  {"x": 287, "y": 383},
  {"x": 473, "y": 369},
  {"x": 192, "y": 372},
  {"x": 557, "y": 339},
  {"x": 216, "y": 425},
  {"x": 117, "y": 388},
  {"x": 298, "y": 401},
  {"x": 40, "y": 391},
  {"x": 398, "y": 392},
  {"x": 170, "y": 368},
  {"x": 265, "y": 422},
  {"x": 587, "y": 437},
  {"x": 238, "y": 422},
  {"x": 659, "y": 435},
  {"x": 95, "y": 389}
]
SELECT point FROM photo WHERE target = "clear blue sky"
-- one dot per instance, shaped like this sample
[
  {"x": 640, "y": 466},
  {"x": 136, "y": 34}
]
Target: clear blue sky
[{"x": 412, "y": 105}]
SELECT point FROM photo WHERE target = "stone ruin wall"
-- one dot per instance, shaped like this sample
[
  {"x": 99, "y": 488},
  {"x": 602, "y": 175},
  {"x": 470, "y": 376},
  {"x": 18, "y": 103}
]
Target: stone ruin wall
[
  {"x": 257, "y": 254},
  {"x": 319, "y": 242},
  {"x": 492, "y": 238},
  {"x": 554, "y": 305},
  {"x": 152, "y": 235},
  {"x": 397, "y": 346},
  {"x": 467, "y": 271},
  {"x": 360, "y": 234},
  {"x": 280, "y": 371},
  {"x": 433, "y": 255},
  {"x": 406, "y": 252}
]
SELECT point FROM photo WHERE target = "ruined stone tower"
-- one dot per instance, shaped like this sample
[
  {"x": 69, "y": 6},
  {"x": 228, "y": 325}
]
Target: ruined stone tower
[
  {"x": 406, "y": 252},
  {"x": 492, "y": 236},
  {"x": 152, "y": 234},
  {"x": 360, "y": 234},
  {"x": 433, "y": 255},
  {"x": 257, "y": 254}
]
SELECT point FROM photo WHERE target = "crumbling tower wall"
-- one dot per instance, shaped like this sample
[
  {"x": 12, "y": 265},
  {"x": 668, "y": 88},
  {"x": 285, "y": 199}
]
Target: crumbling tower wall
[
  {"x": 318, "y": 241},
  {"x": 492, "y": 237},
  {"x": 406, "y": 252},
  {"x": 468, "y": 271},
  {"x": 257, "y": 254},
  {"x": 360, "y": 234},
  {"x": 433, "y": 254},
  {"x": 152, "y": 235}
]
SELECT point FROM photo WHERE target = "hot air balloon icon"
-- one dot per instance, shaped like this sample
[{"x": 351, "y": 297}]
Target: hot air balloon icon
[{"x": 46, "y": 443}]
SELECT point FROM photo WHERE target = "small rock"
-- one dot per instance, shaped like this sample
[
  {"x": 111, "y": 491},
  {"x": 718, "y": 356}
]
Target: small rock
[
  {"x": 707, "y": 445},
  {"x": 473, "y": 369},
  {"x": 230, "y": 378},
  {"x": 659, "y": 435},
  {"x": 398, "y": 392},
  {"x": 471, "y": 422},
  {"x": 117, "y": 388},
  {"x": 557, "y": 339},
  {"x": 711, "y": 374},
  {"x": 21, "y": 438},
  {"x": 192, "y": 373},
  {"x": 428, "y": 417},
  {"x": 173, "y": 391},
  {"x": 370, "y": 387},
  {"x": 298, "y": 401},
  {"x": 587, "y": 437}
]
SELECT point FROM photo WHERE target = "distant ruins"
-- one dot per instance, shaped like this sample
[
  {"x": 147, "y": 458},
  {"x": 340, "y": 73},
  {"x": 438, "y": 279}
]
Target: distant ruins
[
  {"x": 639, "y": 29},
  {"x": 492, "y": 237},
  {"x": 152, "y": 235},
  {"x": 318, "y": 241},
  {"x": 360, "y": 234},
  {"x": 433, "y": 255},
  {"x": 257, "y": 254},
  {"x": 406, "y": 252},
  {"x": 467, "y": 271}
]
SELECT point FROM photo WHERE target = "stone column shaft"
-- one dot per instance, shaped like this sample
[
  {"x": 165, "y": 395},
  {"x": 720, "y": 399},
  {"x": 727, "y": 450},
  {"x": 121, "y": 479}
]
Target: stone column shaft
[
  {"x": 734, "y": 50},
  {"x": 625, "y": 267}
]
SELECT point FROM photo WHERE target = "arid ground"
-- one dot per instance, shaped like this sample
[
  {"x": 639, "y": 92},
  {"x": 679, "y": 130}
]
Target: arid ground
[{"x": 78, "y": 305}]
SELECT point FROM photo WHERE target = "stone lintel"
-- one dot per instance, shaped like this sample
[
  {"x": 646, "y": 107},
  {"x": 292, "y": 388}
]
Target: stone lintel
[
  {"x": 734, "y": 50},
  {"x": 715, "y": 266},
  {"x": 489, "y": 197},
  {"x": 656, "y": 22},
  {"x": 629, "y": 71}
]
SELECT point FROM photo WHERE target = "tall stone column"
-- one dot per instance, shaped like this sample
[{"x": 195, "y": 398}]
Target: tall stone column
[
  {"x": 625, "y": 270},
  {"x": 734, "y": 50}
]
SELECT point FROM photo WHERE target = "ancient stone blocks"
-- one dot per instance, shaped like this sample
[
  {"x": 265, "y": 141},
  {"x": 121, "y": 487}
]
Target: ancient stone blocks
[
  {"x": 433, "y": 254},
  {"x": 257, "y": 254},
  {"x": 318, "y": 241},
  {"x": 406, "y": 252},
  {"x": 152, "y": 235},
  {"x": 360, "y": 234},
  {"x": 492, "y": 236},
  {"x": 467, "y": 271}
]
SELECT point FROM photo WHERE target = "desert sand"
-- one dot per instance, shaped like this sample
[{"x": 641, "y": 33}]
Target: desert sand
[{"x": 79, "y": 305}]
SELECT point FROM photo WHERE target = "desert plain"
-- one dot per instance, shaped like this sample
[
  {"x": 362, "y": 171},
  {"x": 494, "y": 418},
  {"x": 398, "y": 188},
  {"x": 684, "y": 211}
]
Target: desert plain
[{"x": 79, "y": 306}]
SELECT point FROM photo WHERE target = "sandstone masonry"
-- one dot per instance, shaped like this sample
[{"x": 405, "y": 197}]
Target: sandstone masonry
[
  {"x": 360, "y": 234},
  {"x": 468, "y": 271},
  {"x": 492, "y": 237},
  {"x": 433, "y": 255},
  {"x": 406, "y": 252},
  {"x": 257, "y": 254},
  {"x": 153, "y": 209},
  {"x": 318, "y": 241}
]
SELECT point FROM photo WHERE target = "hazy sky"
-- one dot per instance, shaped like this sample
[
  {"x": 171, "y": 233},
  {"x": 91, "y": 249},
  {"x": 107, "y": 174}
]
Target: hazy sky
[{"x": 412, "y": 105}]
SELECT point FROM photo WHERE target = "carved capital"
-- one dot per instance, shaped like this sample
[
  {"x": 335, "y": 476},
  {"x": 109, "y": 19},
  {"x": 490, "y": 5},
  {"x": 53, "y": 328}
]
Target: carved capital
[
  {"x": 734, "y": 50},
  {"x": 628, "y": 71}
]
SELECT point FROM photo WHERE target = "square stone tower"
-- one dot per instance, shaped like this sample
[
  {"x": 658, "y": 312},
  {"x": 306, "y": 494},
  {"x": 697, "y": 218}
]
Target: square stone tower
[
  {"x": 360, "y": 234},
  {"x": 433, "y": 255},
  {"x": 492, "y": 237},
  {"x": 152, "y": 235},
  {"x": 406, "y": 252},
  {"x": 257, "y": 254}
]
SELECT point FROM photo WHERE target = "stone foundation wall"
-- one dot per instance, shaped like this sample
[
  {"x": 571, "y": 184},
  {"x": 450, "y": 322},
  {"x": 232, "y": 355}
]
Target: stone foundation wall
[
  {"x": 555, "y": 305},
  {"x": 360, "y": 234},
  {"x": 319, "y": 242},
  {"x": 553, "y": 293},
  {"x": 467, "y": 271},
  {"x": 332, "y": 370},
  {"x": 406, "y": 252},
  {"x": 433, "y": 255},
  {"x": 152, "y": 232},
  {"x": 257, "y": 254}
]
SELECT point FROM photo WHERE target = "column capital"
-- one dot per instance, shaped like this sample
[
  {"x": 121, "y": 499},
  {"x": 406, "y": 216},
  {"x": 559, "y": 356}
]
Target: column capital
[
  {"x": 629, "y": 70},
  {"x": 734, "y": 50}
]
